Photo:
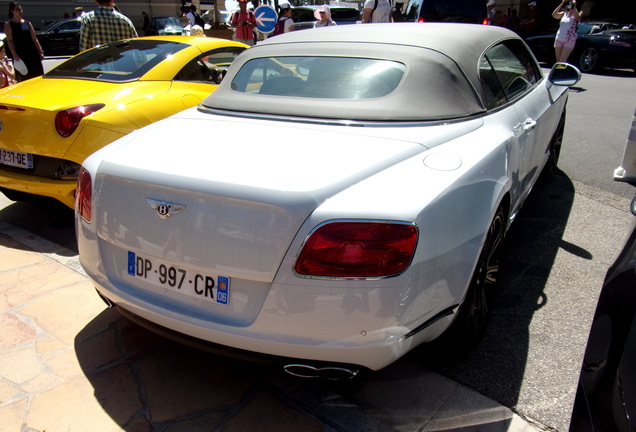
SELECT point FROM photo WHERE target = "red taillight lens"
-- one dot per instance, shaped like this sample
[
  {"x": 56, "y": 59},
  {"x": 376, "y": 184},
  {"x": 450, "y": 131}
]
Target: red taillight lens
[
  {"x": 486, "y": 21},
  {"x": 420, "y": 20},
  {"x": 617, "y": 42},
  {"x": 358, "y": 249},
  {"x": 83, "y": 195},
  {"x": 67, "y": 121}
]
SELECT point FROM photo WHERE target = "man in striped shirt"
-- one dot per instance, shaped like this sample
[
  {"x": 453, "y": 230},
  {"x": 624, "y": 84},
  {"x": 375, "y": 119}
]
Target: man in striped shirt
[{"x": 104, "y": 25}]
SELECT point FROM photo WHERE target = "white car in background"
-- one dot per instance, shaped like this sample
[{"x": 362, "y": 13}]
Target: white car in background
[{"x": 340, "y": 199}]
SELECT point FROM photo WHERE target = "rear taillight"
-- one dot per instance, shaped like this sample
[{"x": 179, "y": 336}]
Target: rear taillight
[
  {"x": 420, "y": 20},
  {"x": 358, "y": 250},
  {"x": 67, "y": 121},
  {"x": 616, "y": 41},
  {"x": 486, "y": 21},
  {"x": 83, "y": 195}
]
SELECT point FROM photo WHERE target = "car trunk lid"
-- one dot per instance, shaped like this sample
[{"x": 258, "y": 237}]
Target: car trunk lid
[
  {"x": 245, "y": 187},
  {"x": 26, "y": 107}
]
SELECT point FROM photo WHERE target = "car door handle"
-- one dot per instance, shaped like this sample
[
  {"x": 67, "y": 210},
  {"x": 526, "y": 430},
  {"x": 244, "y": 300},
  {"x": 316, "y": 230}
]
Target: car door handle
[{"x": 529, "y": 125}]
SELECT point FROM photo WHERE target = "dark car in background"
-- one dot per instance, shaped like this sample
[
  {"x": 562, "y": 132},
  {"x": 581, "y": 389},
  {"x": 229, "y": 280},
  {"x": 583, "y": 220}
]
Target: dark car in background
[
  {"x": 60, "y": 38},
  {"x": 606, "y": 394},
  {"x": 459, "y": 11},
  {"x": 599, "y": 45},
  {"x": 164, "y": 26}
]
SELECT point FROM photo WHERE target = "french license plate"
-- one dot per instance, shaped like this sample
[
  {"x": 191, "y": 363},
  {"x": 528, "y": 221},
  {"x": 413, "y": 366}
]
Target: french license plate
[
  {"x": 16, "y": 159},
  {"x": 212, "y": 288}
]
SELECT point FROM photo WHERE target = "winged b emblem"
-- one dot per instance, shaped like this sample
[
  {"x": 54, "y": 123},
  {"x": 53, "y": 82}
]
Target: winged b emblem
[{"x": 165, "y": 209}]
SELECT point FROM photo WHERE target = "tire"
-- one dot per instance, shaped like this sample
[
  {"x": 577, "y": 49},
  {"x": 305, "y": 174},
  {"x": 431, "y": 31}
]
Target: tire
[
  {"x": 550, "y": 169},
  {"x": 470, "y": 324},
  {"x": 589, "y": 60}
]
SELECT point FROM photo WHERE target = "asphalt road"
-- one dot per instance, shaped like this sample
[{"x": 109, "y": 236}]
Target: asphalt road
[
  {"x": 558, "y": 250},
  {"x": 600, "y": 111}
]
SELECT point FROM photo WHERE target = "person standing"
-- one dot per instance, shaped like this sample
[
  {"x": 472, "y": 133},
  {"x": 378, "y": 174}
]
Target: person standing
[
  {"x": 491, "y": 9},
  {"x": 104, "y": 25},
  {"x": 285, "y": 22},
  {"x": 146, "y": 22},
  {"x": 566, "y": 36},
  {"x": 528, "y": 26},
  {"x": 377, "y": 11},
  {"x": 23, "y": 43},
  {"x": 244, "y": 22},
  {"x": 7, "y": 73},
  {"x": 512, "y": 22},
  {"x": 323, "y": 15},
  {"x": 194, "y": 18}
]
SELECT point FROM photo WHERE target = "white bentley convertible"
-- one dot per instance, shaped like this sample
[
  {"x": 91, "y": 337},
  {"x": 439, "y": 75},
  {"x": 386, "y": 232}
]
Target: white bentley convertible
[{"x": 341, "y": 198}]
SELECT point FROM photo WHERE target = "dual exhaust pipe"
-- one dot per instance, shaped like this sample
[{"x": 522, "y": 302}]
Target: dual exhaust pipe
[{"x": 333, "y": 373}]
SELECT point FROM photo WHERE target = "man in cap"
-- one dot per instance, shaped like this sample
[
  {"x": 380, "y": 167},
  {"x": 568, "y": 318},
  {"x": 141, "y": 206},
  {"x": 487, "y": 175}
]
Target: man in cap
[
  {"x": 244, "y": 22},
  {"x": 529, "y": 24}
]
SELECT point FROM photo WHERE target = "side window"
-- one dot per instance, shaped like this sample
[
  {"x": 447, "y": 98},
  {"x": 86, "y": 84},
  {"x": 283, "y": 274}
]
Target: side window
[
  {"x": 69, "y": 26},
  {"x": 514, "y": 69},
  {"x": 209, "y": 67},
  {"x": 490, "y": 87}
]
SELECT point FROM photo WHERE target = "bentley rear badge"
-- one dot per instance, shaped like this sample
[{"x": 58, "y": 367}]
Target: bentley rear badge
[{"x": 165, "y": 209}]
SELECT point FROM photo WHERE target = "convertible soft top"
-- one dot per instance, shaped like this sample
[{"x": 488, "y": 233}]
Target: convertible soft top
[{"x": 440, "y": 80}]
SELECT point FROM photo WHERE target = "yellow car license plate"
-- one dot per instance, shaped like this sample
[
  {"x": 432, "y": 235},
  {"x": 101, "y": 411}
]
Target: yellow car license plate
[{"x": 16, "y": 159}]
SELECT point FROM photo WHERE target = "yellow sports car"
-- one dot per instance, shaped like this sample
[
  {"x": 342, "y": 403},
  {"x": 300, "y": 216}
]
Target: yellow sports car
[{"x": 50, "y": 124}]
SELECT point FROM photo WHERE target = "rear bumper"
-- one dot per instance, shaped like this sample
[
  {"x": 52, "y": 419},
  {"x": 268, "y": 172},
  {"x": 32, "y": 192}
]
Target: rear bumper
[
  {"x": 233, "y": 353},
  {"x": 61, "y": 190},
  {"x": 250, "y": 343}
]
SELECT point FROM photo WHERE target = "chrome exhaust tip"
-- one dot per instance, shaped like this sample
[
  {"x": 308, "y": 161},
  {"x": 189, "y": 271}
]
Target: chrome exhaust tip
[{"x": 334, "y": 373}]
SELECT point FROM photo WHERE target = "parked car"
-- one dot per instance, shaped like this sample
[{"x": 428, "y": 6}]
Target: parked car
[
  {"x": 599, "y": 45},
  {"x": 351, "y": 205},
  {"x": 606, "y": 395},
  {"x": 458, "y": 11},
  {"x": 50, "y": 124},
  {"x": 60, "y": 38},
  {"x": 165, "y": 26},
  {"x": 339, "y": 14},
  {"x": 225, "y": 17}
]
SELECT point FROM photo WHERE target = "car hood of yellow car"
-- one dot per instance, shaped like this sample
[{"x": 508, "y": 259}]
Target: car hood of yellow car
[{"x": 54, "y": 94}]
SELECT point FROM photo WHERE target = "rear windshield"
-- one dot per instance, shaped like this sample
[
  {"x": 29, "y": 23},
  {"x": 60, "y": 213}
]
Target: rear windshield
[
  {"x": 319, "y": 77},
  {"x": 167, "y": 22},
  {"x": 117, "y": 62}
]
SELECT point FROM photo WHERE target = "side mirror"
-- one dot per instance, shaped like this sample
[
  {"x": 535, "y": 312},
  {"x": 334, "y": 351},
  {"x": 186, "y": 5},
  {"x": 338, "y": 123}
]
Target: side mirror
[{"x": 564, "y": 74}]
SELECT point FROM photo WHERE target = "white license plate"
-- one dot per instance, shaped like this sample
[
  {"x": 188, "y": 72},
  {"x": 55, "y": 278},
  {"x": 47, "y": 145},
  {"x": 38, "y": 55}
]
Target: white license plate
[
  {"x": 212, "y": 288},
  {"x": 16, "y": 159}
]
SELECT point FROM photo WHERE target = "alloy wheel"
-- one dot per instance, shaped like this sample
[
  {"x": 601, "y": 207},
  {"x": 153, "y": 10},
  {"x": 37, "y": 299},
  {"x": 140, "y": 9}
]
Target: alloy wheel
[{"x": 588, "y": 61}]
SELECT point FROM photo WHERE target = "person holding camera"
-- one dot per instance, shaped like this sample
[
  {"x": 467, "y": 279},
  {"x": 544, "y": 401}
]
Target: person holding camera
[
  {"x": 244, "y": 22},
  {"x": 566, "y": 36}
]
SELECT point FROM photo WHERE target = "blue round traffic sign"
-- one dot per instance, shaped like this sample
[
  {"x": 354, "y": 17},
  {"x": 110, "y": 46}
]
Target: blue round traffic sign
[{"x": 266, "y": 18}]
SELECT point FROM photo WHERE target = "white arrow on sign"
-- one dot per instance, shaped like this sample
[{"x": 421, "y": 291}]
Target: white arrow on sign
[{"x": 260, "y": 19}]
